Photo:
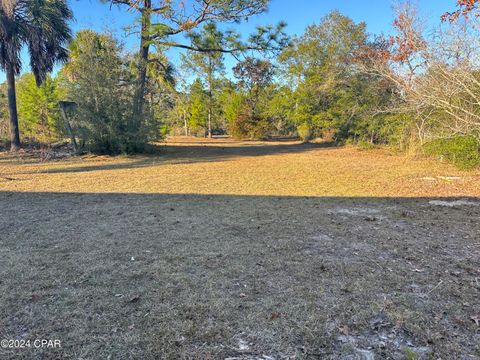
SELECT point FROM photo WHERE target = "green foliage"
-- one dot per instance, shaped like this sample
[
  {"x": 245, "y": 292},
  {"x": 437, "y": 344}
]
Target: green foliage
[
  {"x": 318, "y": 88},
  {"x": 259, "y": 129},
  {"x": 247, "y": 126},
  {"x": 169, "y": 18},
  {"x": 99, "y": 81},
  {"x": 304, "y": 131},
  {"x": 162, "y": 22},
  {"x": 366, "y": 145},
  {"x": 206, "y": 63},
  {"x": 233, "y": 103},
  {"x": 255, "y": 77},
  {"x": 43, "y": 28},
  {"x": 40, "y": 25},
  {"x": 392, "y": 129},
  {"x": 160, "y": 86},
  {"x": 328, "y": 92},
  {"x": 278, "y": 108},
  {"x": 463, "y": 151},
  {"x": 324, "y": 47},
  {"x": 38, "y": 112},
  {"x": 3, "y": 113},
  {"x": 198, "y": 111},
  {"x": 410, "y": 354},
  {"x": 198, "y": 115}
]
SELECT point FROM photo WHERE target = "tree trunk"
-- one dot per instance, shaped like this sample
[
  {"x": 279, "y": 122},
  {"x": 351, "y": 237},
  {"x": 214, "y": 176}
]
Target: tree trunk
[
  {"x": 185, "y": 123},
  {"x": 210, "y": 96},
  {"x": 138, "y": 100},
  {"x": 69, "y": 128},
  {"x": 12, "y": 109},
  {"x": 209, "y": 122}
]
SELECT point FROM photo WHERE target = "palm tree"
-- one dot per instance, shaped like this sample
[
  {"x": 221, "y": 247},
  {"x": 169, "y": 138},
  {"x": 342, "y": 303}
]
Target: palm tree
[{"x": 40, "y": 25}]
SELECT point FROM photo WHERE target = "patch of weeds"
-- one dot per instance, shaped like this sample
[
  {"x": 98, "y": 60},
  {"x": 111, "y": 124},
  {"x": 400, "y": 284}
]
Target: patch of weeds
[
  {"x": 410, "y": 354},
  {"x": 366, "y": 145}
]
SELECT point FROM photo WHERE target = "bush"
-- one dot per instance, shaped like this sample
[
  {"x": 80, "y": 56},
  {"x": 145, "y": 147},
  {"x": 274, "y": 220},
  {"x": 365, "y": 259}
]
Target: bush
[
  {"x": 103, "y": 119},
  {"x": 260, "y": 129},
  {"x": 366, "y": 145},
  {"x": 251, "y": 127},
  {"x": 38, "y": 113},
  {"x": 304, "y": 131},
  {"x": 463, "y": 151},
  {"x": 239, "y": 126}
]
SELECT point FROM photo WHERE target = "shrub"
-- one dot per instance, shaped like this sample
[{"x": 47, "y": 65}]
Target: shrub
[
  {"x": 463, "y": 151},
  {"x": 260, "y": 129},
  {"x": 304, "y": 131},
  {"x": 38, "y": 113},
  {"x": 97, "y": 79},
  {"x": 366, "y": 145},
  {"x": 239, "y": 126},
  {"x": 251, "y": 127},
  {"x": 4, "y": 123}
]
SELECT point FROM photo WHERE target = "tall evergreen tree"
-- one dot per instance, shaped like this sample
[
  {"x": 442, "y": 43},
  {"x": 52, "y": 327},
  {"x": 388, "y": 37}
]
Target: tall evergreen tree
[
  {"x": 162, "y": 21},
  {"x": 207, "y": 64}
]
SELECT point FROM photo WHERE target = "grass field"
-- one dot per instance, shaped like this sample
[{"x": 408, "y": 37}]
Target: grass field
[{"x": 218, "y": 249}]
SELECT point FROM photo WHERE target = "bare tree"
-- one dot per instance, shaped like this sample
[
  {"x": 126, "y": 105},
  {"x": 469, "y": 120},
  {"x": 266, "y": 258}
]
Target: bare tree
[{"x": 438, "y": 78}]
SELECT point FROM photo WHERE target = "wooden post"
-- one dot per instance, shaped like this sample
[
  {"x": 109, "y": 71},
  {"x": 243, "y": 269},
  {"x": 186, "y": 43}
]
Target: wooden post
[{"x": 63, "y": 106}]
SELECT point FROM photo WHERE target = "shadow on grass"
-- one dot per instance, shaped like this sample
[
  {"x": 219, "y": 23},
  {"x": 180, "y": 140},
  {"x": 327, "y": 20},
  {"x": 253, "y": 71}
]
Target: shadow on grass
[
  {"x": 149, "y": 276},
  {"x": 178, "y": 154}
]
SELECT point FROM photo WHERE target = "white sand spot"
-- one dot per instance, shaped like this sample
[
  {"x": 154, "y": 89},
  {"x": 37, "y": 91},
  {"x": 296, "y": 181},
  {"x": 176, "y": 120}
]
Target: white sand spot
[
  {"x": 449, "y": 178},
  {"x": 243, "y": 345},
  {"x": 446, "y": 178},
  {"x": 322, "y": 238},
  {"x": 357, "y": 211},
  {"x": 453, "y": 203}
]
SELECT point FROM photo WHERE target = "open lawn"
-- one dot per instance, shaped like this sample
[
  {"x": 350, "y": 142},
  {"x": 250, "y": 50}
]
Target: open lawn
[{"x": 219, "y": 249}]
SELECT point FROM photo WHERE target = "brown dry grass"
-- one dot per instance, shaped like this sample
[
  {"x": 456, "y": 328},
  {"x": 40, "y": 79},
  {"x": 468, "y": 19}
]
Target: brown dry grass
[
  {"x": 221, "y": 249},
  {"x": 244, "y": 168}
]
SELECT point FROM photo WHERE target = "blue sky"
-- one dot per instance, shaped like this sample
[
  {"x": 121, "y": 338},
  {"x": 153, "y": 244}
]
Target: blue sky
[{"x": 297, "y": 13}]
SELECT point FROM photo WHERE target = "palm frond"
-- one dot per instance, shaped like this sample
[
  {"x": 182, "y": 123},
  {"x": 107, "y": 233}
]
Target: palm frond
[{"x": 41, "y": 25}]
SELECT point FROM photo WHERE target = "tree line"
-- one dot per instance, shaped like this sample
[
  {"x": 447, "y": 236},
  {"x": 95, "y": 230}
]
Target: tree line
[{"x": 414, "y": 89}]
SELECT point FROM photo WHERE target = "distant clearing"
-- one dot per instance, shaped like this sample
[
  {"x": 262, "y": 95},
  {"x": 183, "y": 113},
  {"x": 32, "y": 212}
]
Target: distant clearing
[{"x": 225, "y": 166}]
